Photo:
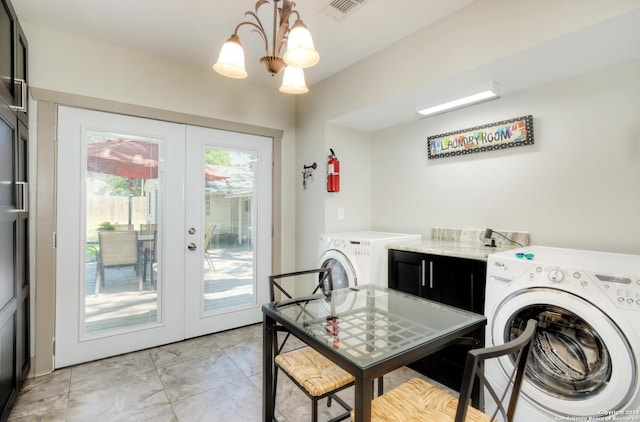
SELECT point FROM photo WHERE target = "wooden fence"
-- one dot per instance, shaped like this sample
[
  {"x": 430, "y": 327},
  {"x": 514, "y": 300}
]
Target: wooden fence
[{"x": 115, "y": 209}]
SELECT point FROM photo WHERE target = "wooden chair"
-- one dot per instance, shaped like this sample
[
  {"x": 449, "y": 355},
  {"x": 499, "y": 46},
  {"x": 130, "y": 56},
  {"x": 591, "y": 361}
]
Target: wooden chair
[
  {"x": 314, "y": 374},
  {"x": 149, "y": 258},
  {"x": 117, "y": 249},
  {"x": 123, "y": 227},
  {"x": 417, "y": 400},
  {"x": 207, "y": 240}
]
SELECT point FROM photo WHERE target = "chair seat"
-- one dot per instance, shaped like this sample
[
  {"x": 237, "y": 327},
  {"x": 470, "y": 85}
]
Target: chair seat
[
  {"x": 417, "y": 400},
  {"x": 315, "y": 373}
]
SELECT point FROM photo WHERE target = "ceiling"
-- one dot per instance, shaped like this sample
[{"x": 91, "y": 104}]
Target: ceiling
[
  {"x": 192, "y": 31},
  {"x": 610, "y": 42}
]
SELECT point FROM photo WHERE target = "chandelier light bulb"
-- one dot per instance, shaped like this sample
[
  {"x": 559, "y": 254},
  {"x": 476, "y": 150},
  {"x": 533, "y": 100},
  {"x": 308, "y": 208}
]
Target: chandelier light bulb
[
  {"x": 231, "y": 59},
  {"x": 293, "y": 81},
  {"x": 300, "y": 52}
]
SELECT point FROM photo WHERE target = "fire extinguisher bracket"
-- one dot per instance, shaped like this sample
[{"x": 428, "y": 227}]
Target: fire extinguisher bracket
[{"x": 333, "y": 173}]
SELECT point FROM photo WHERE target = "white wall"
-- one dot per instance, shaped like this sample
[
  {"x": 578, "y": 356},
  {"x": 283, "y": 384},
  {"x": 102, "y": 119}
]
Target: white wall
[
  {"x": 317, "y": 209},
  {"x": 577, "y": 186},
  {"x": 68, "y": 64},
  {"x": 484, "y": 32},
  {"x": 353, "y": 149}
]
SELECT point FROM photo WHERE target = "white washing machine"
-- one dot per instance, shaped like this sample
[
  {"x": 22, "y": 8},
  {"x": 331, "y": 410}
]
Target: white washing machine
[
  {"x": 584, "y": 362},
  {"x": 359, "y": 257}
]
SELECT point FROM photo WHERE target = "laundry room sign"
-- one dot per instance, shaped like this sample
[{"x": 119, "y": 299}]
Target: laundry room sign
[{"x": 505, "y": 134}]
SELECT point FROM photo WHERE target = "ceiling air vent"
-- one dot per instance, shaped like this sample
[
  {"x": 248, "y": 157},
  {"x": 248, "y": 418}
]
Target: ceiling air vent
[{"x": 339, "y": 9}]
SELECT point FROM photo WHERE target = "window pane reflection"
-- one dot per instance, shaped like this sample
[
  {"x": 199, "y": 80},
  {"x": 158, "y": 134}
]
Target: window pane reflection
[
  {"x": 122, "y": 202},
  {"x": 229, "y": 268}
]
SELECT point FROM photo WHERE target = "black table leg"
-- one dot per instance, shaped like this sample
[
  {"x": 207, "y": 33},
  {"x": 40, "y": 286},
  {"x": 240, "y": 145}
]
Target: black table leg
[
  {"x": 268, "y": 389},
  {"x": 363, "y": 396}
]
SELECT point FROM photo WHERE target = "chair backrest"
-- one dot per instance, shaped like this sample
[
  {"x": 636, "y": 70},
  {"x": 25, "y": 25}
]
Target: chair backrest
[
  {"x": 324, "y": 282},
  {"x": 123, "y": 227},
  {"x": 149, "y": 245},
  {"x": 520, "y": 347},
  {"x": 118, "y": 247},
  {"x": 207, "y": 236},
  {"x": 148, "y": 228},
  {"x": 292, "y": 290},
  {"x": 154, "y": 246}
]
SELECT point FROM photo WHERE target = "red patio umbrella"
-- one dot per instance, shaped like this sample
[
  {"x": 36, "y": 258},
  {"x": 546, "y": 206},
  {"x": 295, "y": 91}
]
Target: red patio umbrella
[
  {"x": 124, "y": 157},
  {"x": 132, "y": 159}
]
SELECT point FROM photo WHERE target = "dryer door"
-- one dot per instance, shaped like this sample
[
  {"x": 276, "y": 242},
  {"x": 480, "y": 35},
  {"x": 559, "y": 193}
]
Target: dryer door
[
  {"x": 581, "y": 363},
  {"x": 342, "y": 269}
]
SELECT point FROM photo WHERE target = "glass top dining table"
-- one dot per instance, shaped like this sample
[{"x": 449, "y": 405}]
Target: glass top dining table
[{"x": 367, "y": 330}]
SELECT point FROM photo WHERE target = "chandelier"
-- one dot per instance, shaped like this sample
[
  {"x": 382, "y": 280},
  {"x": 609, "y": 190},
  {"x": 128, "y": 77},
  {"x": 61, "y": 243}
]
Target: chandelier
[{"x": 300, "y": 51}]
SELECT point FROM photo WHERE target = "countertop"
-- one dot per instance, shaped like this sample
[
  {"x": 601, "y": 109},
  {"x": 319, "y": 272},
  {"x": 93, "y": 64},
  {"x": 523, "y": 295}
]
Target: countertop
[{"x": 469, "y": 250}]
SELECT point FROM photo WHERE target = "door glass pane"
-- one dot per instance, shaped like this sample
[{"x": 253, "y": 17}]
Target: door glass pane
[
  {"x": 121, "y": 248},
  {"x": 7, "y": 216},
  {"x": 229, "y": 269}
]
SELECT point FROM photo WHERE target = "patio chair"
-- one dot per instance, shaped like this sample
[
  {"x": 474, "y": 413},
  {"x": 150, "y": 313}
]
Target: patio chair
[
  {"x": 117, "y": 249},
  {"x": 419, "y": 400},
  {"x": 207, "y": 240},
  {"x": 123, "y": 227},
  {"x": 149, "y": 258},
  {"x": 313, "y": 373}
]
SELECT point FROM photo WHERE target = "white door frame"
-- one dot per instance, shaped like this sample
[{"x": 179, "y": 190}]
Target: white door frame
[
  {"x": 172, "y": 326},
  {"x": 72, "y": 346},
  {"x": 199, "y": 138},
  {"x": 44, "y": 267}
]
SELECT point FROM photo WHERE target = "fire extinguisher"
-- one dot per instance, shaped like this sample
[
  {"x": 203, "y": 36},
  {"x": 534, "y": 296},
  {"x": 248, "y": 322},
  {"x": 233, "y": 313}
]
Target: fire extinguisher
[{"x": 333, "y": 173}]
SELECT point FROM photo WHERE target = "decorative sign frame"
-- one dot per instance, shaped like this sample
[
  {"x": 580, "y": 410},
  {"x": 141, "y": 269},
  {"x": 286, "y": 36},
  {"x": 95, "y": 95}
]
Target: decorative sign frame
[{"x": 505, "y": 134}]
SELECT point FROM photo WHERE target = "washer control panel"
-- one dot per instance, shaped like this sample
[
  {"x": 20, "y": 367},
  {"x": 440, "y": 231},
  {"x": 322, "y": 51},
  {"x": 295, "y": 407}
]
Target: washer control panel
[
  {"x": 627, "y": 296},
  {"x": 357, "y": 247},
  {"x": 608, "y": 278},
  {"x": 624, "y": 291}
]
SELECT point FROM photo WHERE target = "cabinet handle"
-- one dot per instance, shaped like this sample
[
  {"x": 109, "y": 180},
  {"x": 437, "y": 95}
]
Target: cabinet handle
[
  {"x": 423, "y": 272},
  {"x": 22, "y": 197},
  {"x": 24, "y": 206},
  {"x": 471, "y": 294},
  {"x": 23, "y": 96},
  {"x": 431, "y": 274}
]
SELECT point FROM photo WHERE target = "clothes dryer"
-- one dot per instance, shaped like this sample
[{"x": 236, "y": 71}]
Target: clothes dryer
[
  {"x": 585, "y": 359},
  {"x": 359, "y": 257}
]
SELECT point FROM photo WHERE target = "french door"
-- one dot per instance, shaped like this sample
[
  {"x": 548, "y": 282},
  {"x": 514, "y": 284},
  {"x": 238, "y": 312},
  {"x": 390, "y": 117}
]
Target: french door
[{"x": 159, "y": 237}]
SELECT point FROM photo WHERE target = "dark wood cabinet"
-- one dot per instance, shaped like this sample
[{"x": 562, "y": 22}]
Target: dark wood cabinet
[
  {"x": 13, "y": 62},
  {"x": 7, "y": 56},
  {"x": 14, "y": 214},
  {"x": 21, "y": 80},
  {"x": 453, "y": 281}
]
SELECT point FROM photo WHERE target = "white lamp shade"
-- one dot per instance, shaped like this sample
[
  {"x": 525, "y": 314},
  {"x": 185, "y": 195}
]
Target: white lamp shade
[
  {"x": 231, "y": 59},
  {"x": 300, "y": 50},
  {"x": 293, "y": 81}
]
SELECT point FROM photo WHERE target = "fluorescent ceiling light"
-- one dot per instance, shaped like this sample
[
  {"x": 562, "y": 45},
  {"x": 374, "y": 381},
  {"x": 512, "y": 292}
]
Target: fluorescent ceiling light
[{"x": 485, "y": 95}]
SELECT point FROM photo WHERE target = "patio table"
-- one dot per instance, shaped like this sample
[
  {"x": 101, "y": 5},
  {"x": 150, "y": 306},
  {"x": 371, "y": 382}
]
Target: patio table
[{"x": 367, "y": 330}]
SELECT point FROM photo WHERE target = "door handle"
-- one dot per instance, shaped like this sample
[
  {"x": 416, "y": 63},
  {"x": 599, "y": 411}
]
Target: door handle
[
  {"x": 423, "y": 273},
  {"x": 192, "y": 246},
  {"x": 22, "y": 84},
  {"x": 431, "y": 274},
  {"x": 24, "y": 197}
]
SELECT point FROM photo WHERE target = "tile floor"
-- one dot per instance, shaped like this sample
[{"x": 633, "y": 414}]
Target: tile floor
[{"x": 211, "y": 378}]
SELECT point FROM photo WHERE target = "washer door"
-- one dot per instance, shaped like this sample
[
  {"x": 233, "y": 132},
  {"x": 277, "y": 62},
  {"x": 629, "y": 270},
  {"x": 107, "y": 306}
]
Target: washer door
[
  {"x": 343, "y": 275},
  {"x": 581, "y": 363},
  {"x": 343, "y": 272}
]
